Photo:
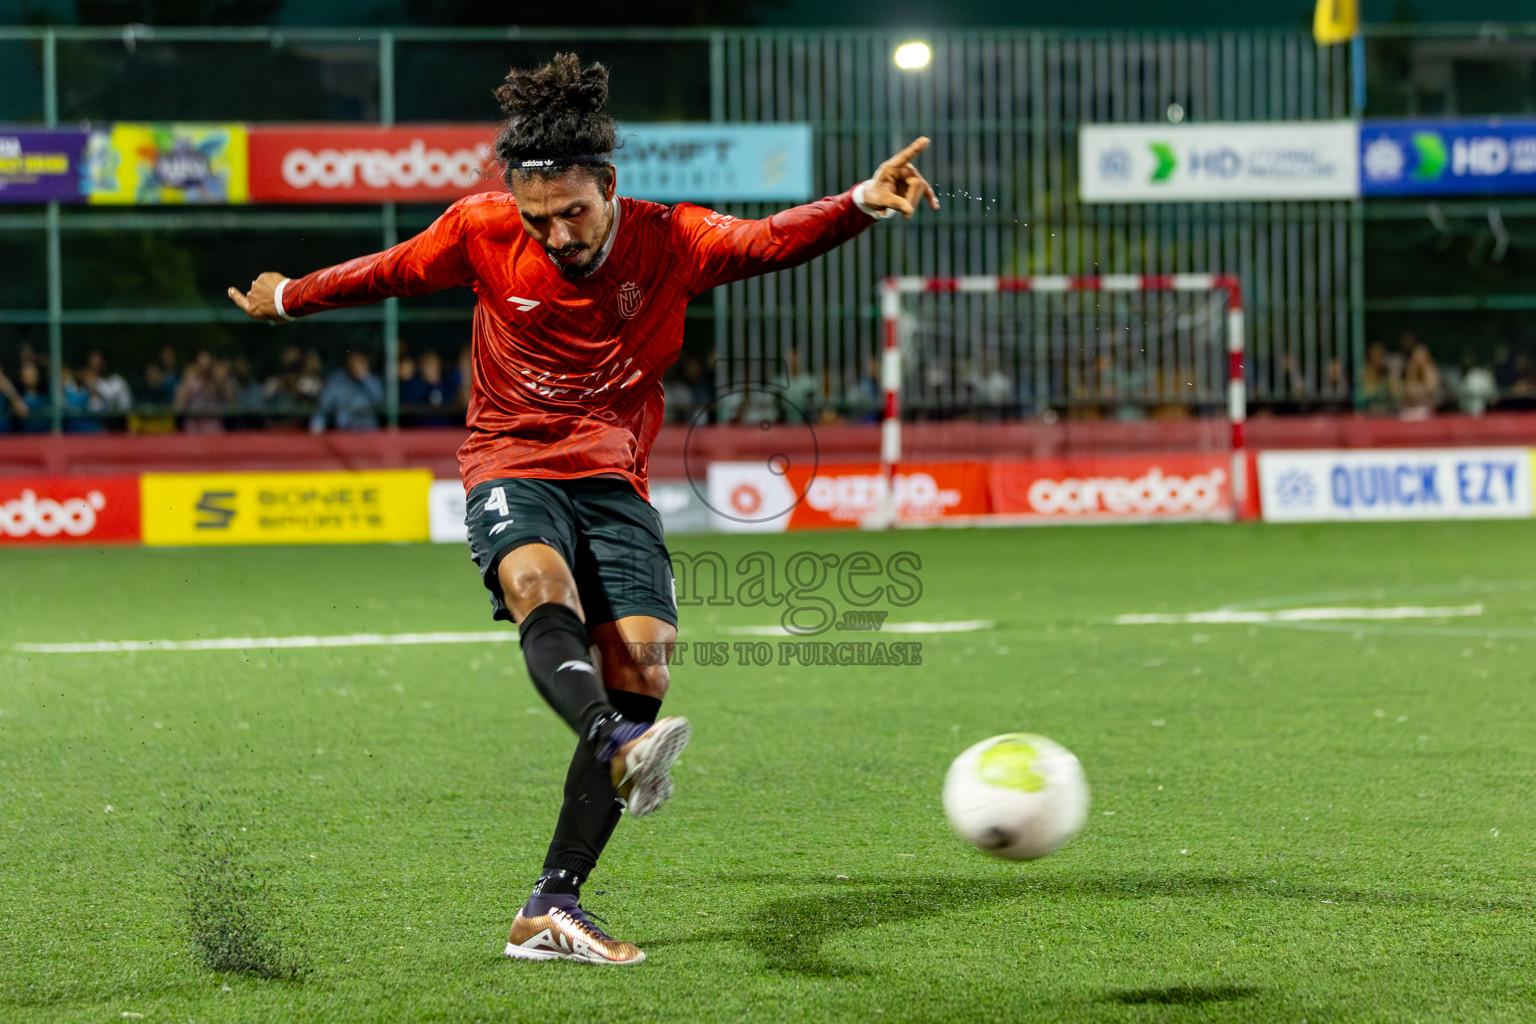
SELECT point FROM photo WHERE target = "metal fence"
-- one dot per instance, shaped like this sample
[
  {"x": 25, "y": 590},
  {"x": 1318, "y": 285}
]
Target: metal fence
[
  {"x": 1002, "y": 107},
  {"x": 1003, "y": 111}
]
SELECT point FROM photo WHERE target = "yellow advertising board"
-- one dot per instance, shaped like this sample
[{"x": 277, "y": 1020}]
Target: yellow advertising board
[
  {"x": 285, "y": 508},
  {"x": 152, "y": 164}
]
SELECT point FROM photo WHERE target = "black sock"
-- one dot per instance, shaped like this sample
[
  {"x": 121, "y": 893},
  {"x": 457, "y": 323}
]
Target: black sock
[
  {"x": 591, "y": 809},
  {"x": 555, "y": 649}
]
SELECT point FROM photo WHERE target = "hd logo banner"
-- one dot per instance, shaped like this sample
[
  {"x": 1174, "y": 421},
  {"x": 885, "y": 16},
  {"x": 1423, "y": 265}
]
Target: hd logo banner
[
  {"x": 1165, "y": 163},
  {"x": 1449, "y": 483},
  {"x": 1448, "y": 157},
  {"x": 285, "y": 508}
]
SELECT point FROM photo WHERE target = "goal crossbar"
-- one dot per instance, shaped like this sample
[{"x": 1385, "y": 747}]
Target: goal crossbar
[{"x": 892, "y": 289}]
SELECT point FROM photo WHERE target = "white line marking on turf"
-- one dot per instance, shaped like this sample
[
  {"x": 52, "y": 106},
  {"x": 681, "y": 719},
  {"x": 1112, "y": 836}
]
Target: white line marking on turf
[
  {"x": 267, "y": 643},
  {"x": 958, "y": 626},
  {"x": 1228, "y": 616}
]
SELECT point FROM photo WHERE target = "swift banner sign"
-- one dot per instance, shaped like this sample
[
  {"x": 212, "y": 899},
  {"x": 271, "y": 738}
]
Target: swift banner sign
[
  {"x": 1158, "y": 163},
  {"x": 672, "y": 163},
  {"x": 1453, "y": 483},
  {"x": 1442, "y": 158}
]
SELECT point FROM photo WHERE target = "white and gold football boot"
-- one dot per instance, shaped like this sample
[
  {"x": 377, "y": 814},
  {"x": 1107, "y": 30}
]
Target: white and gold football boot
[
  {"x": 642, "y": 767},
  {"x": 567, "y": 933}
]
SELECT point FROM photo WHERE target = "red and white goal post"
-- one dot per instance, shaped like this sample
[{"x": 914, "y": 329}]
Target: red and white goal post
[{"x": 1150, "y": 298}]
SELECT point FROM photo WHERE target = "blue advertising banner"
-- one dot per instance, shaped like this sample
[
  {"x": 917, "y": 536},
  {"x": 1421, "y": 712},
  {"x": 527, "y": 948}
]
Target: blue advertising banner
[
  {"x": 1448, "y": 157},
  {"x": 672, "y": 163},
  {"x": 42, "y": 166}
]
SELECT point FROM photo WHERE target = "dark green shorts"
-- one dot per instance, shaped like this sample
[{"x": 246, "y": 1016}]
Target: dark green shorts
[{"x": 609, "y": 536}]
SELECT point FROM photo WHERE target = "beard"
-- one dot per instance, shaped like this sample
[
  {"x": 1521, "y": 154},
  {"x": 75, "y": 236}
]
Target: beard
[{"x": 575, "y": 273}]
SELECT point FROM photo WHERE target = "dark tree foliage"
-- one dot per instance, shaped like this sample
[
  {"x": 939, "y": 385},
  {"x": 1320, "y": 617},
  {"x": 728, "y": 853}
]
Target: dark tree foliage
[
  {"x": 593, "y": 12},
  {"x": 176, "y": 12}
]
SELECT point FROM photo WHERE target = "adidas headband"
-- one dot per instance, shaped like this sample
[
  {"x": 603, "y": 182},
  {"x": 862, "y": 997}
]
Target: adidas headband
[{"x": 559, "y": 161}]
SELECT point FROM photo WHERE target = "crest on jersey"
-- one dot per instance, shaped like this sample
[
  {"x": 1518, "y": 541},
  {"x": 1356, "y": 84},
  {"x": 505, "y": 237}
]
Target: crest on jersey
[{"x": 630, "y": 297}]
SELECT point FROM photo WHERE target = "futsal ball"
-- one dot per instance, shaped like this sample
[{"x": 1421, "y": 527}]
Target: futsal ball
[{"x": 1017, "y": 796}]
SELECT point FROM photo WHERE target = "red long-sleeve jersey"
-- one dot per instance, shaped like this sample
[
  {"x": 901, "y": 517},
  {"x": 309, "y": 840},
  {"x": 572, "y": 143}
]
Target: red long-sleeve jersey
[{"x": 567, "y": 372}]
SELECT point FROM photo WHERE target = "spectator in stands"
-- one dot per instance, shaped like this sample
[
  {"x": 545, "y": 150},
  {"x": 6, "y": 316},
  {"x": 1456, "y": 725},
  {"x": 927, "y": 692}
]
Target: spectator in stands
[
  {"x": 465, "y": 374},
  {"x": 800, "y": 396},
  {"x": 295, "y": 385},
  {"x": 1421, "y": 384},
  {"x": 205, "y": 394},
  {"x": 29, "y": 382},
  {"x": 78, "y": 418},
  {"x": 428, "y": 394},
  {"x": 679, "y": 403},
  {"x": 991, "y": 389},
  {"x": 156, "y": 388},
  {"x": 865, "y": 402},
  {"x": 1477, "y": 389},
  {"x": 351, "y": 398},
  {"x": 110, "y": 394},
  {"x": 11, "y": 405},
  {"x": 170, "y": 367},
  {"x": 1380, "y": 390}
]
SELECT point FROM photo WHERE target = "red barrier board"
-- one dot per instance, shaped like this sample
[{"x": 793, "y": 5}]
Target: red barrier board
[
  {"x": 348, "y": 164},
  {"x": 1131, "y": 487},
  {"x": 69, "y": 510},
  {"x": 845, "y": 495}
]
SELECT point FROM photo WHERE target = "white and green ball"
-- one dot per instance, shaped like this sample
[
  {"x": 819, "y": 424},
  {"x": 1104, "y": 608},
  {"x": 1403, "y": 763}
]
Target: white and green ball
[{"x": 1017, "y": 796}]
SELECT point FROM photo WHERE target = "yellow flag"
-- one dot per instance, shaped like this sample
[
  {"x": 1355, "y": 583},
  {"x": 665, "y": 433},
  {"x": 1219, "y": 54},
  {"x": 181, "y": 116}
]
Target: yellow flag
[{"x": 1335, "y": 21}]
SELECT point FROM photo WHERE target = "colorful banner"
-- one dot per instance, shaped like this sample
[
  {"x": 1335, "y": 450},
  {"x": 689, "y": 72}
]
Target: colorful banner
[
  {"x": 1449, "y": 483},
  {"x": 1127, "y": 488},
  {"x": 672, "y": 163},
  {"x": 69, "y": 510},
  {"x": 42, "y": 166},
  {"x": 348, "y": 164},
  {"x": 1159, "y": 163},
  {"x": 286, "y": 508},
  {"x": 752, "y": 497},
  {"x": 155, "y": 164},
  {"x": 1448, "y": 157}
]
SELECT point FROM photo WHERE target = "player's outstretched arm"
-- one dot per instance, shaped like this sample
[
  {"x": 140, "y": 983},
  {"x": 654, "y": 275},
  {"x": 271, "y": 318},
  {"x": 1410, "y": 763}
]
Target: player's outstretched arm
[
  {"x": 897, "y": 185},
  {"x": 260, "y": 303}
]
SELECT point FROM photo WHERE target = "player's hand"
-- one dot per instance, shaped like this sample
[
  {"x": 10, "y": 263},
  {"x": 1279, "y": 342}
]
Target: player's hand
[
  {"x": 898, "y": 186},
  {"x": 260, "y": 302}
]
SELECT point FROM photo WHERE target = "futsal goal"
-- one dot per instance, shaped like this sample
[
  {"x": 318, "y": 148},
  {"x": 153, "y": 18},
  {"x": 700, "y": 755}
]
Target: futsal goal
[{"x": 1114, "y": 347}]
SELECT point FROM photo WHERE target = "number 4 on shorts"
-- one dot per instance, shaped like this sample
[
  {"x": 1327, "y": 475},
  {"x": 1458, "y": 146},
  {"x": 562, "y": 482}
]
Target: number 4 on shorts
[{"x": 497, "y": 502}]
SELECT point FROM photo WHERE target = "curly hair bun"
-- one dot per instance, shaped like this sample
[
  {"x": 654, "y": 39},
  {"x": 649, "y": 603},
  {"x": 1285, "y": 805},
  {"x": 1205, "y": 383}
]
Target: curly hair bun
[{"x": 555, "y": 111}]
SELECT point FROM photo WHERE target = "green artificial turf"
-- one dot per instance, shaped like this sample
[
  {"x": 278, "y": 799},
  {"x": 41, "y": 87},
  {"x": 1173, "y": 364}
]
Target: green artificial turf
[{"x": 1321, "y": 822}]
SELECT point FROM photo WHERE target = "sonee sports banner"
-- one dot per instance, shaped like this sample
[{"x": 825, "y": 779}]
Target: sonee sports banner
[{"x": 286, "y": 508}]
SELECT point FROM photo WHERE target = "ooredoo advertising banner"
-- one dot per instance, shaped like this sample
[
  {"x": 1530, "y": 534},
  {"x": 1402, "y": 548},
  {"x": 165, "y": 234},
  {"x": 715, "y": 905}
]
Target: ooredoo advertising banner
[
  {"x": 69, "y": 510},
  {"x": 751, "y": 497},
  {"x": 347, "y": 164},
  {"x": 42, "y": 166},
  {"x": 286, "y": 508},
  {"x": 1159, "y": 163},
  {"x": 1449, "y": 483},
  {"x": 1110, "y": 488},
  {"x": 1448, "y": 157},
  {"x": 155, "y": 164}
]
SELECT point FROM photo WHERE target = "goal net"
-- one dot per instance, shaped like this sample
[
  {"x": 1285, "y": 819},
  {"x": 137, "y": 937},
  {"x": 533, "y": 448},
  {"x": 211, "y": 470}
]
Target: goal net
[{"x": 1116, "y": 347}]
